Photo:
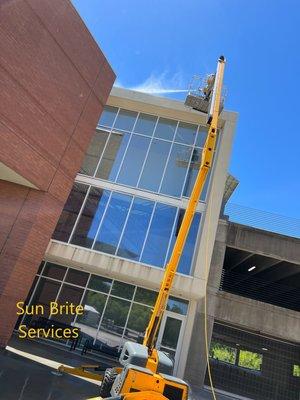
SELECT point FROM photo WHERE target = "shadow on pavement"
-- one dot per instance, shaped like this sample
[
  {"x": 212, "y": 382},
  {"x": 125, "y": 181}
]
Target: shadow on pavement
[{"x": 22, "y": 378}]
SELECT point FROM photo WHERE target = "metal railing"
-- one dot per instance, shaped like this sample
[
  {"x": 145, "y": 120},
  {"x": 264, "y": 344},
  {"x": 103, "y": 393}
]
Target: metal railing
[{"x": 264, "y": 220}]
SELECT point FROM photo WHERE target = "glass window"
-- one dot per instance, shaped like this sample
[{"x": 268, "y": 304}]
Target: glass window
[
  {"x": 133, "y": 161},
  {"x": 171, "y": 332},
  {"x": 176, "y": 170},
  {"x": 54, "y": 271},
  {"x": 112, "y": 156},
  {"x": 125, "y": 120},
  {"x": 76, "y": 277},
  {"x": 112, "y": 225},
  {"x": 100, "y": 283},
  {"x": 93, "y": 153},
  {"x": 113, "y": 322},
  {"x": 201, "y": 136},
  {"x": 192, "y": 172},
  {"x": 41, "y": 267},
  {"x": 189, "y": 248},
  {"x": 70, "y": 212},
  {"x": 155, "y": 164},
  {"x": 185, "y": 262},
  {"x": 93, "y": 304},
  {"x": 137, "y": 323},
  {"x": 108, "y": 116},
  {"x": 178, "y": 306},
  {"x": 192, "y": 175},
  {"x": 136, "y": 228},
  {"x": 165, "y": 128},
  {"x": 145, "y": 296},
  {"x": 145, "y": 124},
  {"x": 46, "y": 292},
  {"x": 222, "y": 352},
  {"x": 70, "y": 294},
  {"x": 121, "y": 289},
  {"x": 296, "y": 370},
  {"x": 159, "y": 235},
  {"x": 248, "y": 359},
  {"x": 186, "y": 133},
  {"x": 90, "y": 217}
]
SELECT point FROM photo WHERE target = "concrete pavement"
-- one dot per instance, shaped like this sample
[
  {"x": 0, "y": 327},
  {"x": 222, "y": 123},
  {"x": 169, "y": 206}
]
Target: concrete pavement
[{"x": 28, "y": 372}]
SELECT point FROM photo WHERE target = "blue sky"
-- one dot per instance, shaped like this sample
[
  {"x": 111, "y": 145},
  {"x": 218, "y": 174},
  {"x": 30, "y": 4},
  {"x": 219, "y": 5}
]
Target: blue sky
[{"x": 164, "y": 43}]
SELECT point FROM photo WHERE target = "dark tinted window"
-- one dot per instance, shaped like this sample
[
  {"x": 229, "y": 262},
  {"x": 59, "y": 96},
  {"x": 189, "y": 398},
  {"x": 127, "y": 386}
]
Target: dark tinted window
[
  {"x": 46, "y": 292},
  {"x": 122, "y": 289},
  {"x": 93, "y": 153},
  {"x": 76, "y": 277},
  {"x": 113, "y": 155},
  {"x": 54, "y": 271},
  {"x": 100, "y": 283},
  {"x": 90, "y": 218},
  {"x": 145, "y": 296},
  {"x": 70, "y": 294},
  {"x": 137, "y": 323},
  {"x": 70, "y": 212}
]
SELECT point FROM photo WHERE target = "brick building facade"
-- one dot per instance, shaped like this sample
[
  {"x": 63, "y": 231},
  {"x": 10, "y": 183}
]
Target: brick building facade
[{"x": 54, "y": 81}]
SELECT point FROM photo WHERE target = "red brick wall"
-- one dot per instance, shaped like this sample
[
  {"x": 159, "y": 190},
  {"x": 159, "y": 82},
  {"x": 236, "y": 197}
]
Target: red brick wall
[{"x": 54, "y": 81}]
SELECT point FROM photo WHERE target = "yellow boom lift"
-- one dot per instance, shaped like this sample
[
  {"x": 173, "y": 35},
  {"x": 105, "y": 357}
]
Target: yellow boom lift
[{"x": 146, "y": 372}]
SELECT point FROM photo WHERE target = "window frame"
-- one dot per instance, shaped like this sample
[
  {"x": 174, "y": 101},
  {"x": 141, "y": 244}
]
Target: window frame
[{"x": 62, "y": 283}]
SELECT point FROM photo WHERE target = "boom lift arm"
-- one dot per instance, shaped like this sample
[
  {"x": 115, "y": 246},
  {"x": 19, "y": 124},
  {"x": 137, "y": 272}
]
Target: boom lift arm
[
  {"x": 206, "y": 162},
  {"x": 146, "y": 372}
]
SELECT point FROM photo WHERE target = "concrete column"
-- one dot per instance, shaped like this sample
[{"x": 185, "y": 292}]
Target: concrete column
[
  {"x": 196, "y": 361},
  {"x": 197, "y": 355}
]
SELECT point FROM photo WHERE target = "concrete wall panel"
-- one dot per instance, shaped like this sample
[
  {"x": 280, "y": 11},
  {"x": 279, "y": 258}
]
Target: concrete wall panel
[
  {"x": 263, "y": 242},
  {"x": 259, "y": 317}
]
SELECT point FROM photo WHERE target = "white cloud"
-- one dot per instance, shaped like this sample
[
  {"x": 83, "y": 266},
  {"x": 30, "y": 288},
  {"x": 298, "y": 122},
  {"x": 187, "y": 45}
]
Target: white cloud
[{"x": 160, "y": 84}]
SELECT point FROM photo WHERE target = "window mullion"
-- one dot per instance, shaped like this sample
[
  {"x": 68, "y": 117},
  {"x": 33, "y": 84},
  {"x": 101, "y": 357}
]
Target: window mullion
[
  {"x": 147, "y": 232},
  {"x": 172, "y": 232},
  {"x": 127, "y": 146},
  {"x": 124, "y": 226},
  {"x": 169, "y": 155},
  {"x": 107, "y": 141},
  {"x": 129, "y": 311},
  {"x": 79, "y": 214},
  {"x": 144, "y": 163},
  {"x": 188, "y": 167},
  {"x": 102, "y": 219},
  {"x": 104, "y": 309}
]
